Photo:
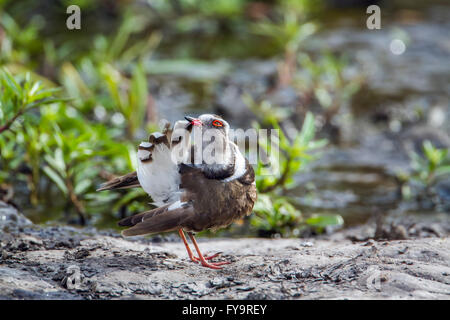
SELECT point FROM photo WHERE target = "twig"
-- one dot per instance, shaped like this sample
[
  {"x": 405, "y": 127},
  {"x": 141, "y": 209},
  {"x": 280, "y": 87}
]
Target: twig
[{"x": 11, "y": 121}]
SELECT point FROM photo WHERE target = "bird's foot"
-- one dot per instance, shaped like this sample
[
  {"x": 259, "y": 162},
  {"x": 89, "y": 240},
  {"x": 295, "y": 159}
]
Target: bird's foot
[
  {"x": 197, "y": 259},
  {"x": 213, "y": 265},
  {"x": 205, "y": 263},
  {"x": 201, "y": 258},
  {"x": 212, "y": 256}
]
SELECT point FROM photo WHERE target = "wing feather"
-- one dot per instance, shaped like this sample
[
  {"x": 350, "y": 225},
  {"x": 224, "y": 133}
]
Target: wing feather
[
  {"x": 157, "y": 173},
  {"x": 129, "y": 180},
  {"x": 161, "y": 221}
]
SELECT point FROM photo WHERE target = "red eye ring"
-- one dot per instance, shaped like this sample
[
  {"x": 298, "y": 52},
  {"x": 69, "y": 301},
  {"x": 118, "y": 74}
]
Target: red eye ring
[{"x": 217, "y": 123}]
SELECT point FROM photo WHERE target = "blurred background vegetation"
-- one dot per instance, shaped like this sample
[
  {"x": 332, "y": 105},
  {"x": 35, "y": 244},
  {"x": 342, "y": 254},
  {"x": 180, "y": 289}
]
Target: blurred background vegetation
[{"x": 355, "y": 139}]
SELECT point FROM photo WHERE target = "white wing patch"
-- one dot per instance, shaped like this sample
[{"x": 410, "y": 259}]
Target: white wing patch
[
  {"x": 157, "y": 171},
  {"x": 159, "y": 177}
]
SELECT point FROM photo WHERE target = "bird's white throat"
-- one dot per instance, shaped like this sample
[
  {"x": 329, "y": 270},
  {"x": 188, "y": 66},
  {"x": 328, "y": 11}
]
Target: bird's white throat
[{"x": 239, "y": 164}]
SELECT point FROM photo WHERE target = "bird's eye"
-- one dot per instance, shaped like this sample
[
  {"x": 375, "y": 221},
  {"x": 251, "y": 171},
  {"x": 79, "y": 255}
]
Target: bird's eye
[{"x": 217, "y": 123}]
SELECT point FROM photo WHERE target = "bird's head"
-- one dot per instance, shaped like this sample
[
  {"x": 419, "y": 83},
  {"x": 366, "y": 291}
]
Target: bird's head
[
  {"x": 217, "y": 153},
  {"x": 210, "y": 122}
]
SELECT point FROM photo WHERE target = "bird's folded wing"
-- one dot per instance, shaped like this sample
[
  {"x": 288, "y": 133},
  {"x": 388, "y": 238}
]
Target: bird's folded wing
[
  {"x": 133, "y": 220},
  {"x": 161, "y": 219}
]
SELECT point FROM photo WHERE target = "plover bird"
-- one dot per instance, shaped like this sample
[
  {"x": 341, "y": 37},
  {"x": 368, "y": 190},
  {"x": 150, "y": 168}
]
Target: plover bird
[{"x": 191, "y": 194}]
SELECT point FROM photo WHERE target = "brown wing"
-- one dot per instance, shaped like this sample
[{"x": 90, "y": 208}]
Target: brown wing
[
  {"x": 205, "y": 204},
  {"x": 216, "y": 203},
  {"x": 129, "y": 180},
  {"x": 157, "y": 220},
  {"x": 133, "y": 220}
]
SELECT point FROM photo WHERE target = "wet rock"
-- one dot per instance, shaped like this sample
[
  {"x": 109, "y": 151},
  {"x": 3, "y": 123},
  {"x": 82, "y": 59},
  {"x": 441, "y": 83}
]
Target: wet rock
[
  {"x": 23, "y": 243},
  {"x": 393, "y": 232},
  {"x": 11, "y": 219},
  {"x": 81, "y": 253},
  {"x": 413, "y": 138},
  {"x": 258, "y": 296}
]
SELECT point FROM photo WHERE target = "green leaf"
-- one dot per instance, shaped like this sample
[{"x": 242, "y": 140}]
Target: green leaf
[
  {"x": 56, "y": 179},
  {"x": 308, "y": 129},
  {"x": 82, "y": 186},
  {"x": 11, "y": 83},
  {"x": 325, "y": 220},
  {"x": 57, "y": 161}
]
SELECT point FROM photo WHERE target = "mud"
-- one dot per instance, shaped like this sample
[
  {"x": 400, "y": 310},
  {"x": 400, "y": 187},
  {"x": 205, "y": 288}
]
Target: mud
[{"x": 60, "y": 262}]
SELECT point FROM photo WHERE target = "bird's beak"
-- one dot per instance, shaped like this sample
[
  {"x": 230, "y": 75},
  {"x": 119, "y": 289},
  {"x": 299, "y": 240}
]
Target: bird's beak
[{"x": 194, "y": 121}]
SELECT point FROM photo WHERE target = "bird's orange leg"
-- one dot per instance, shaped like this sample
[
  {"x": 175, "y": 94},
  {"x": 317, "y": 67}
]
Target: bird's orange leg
[
  {"x": 189, "y": 251},
  {"x": 202, "y": 259},
  {"x": 190, "y": 254}
]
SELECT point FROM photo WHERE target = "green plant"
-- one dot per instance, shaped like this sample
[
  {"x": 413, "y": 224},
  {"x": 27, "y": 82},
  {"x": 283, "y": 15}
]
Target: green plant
[
  {"x": 276, "y": 216},
  {"x": 19, "y": 140},
  {"x": 78, "y": 154},
  {"x": 70, "y": 165},
  {"x": 426, "y": 170},
  {"x": 9, "y": 161},
  {"x": 64, "y": 149},
  {"x": 44, "y": 136},
  {"x": 322, "y": 83},
  {"x": 274, "y": 213},
  {"x": 319, "y": 222},
  {"x": 17, "y": 98},
  {"x": 19, "y": 42},
  {"x": 433, "y": 164},
  {"x": 294, "y": 153},
  {"x": 288, "y": 36},
  {"x": 131, "y": 103}
]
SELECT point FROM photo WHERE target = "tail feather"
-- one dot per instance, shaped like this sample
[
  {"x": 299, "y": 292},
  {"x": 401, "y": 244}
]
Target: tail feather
[{"x": 129, "y": 180}]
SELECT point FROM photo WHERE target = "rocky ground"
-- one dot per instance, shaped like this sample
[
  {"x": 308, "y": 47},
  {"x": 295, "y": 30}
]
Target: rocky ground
[{"x": 55, "y": 262}]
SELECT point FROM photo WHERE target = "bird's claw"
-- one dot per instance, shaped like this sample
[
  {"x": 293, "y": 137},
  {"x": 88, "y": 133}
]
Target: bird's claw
[
  {"x": 214, "y": 265},
  {"x": 205, "y": 263}
]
